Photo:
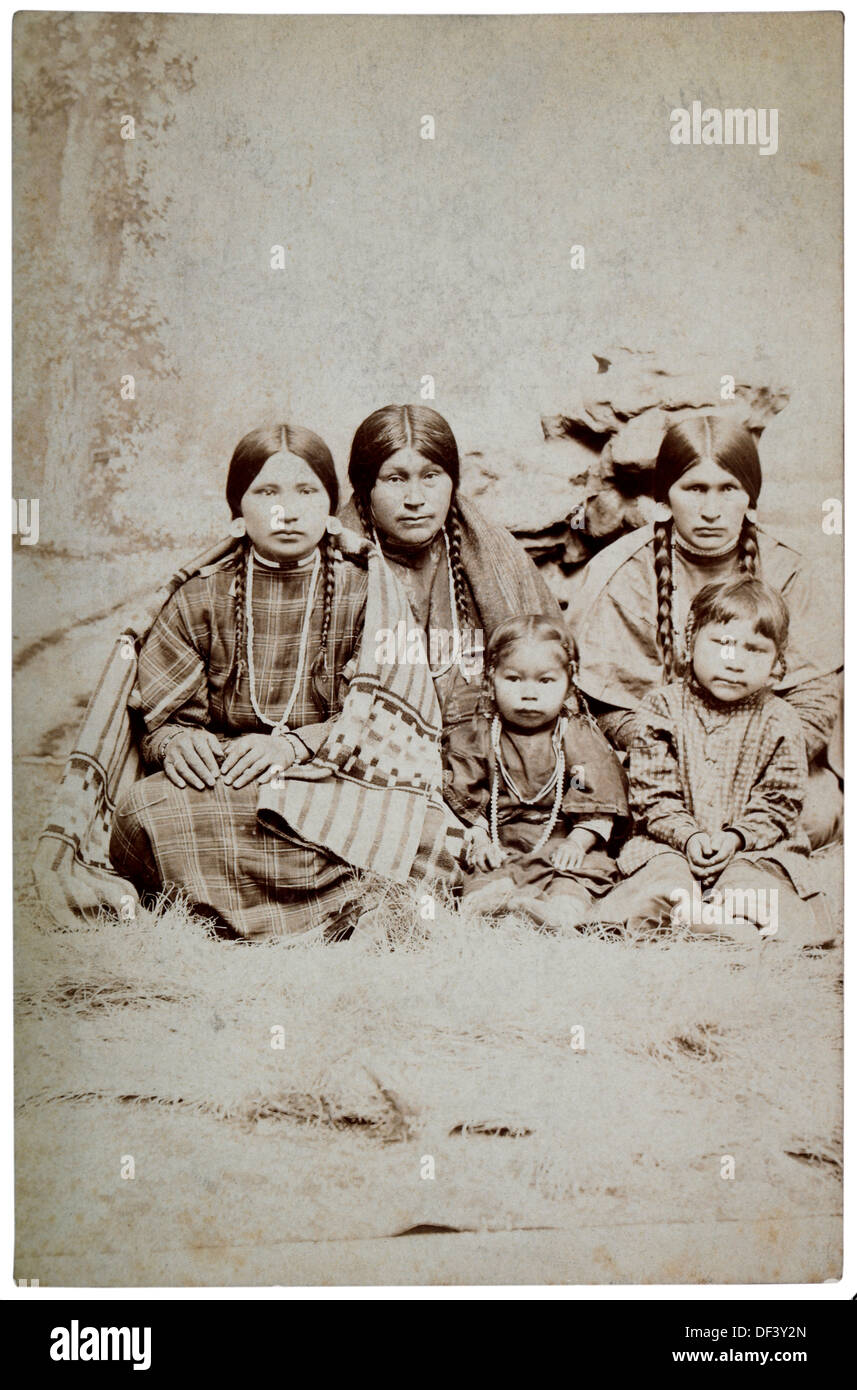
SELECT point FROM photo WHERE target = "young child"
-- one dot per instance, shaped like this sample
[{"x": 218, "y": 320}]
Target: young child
[
  {"x": 718, "y": 773},
  {"x": 535, "y": 781}
]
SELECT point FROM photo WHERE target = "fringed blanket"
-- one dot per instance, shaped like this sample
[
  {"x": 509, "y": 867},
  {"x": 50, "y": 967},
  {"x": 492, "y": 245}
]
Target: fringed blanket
[{"x": 372, "y": 793}]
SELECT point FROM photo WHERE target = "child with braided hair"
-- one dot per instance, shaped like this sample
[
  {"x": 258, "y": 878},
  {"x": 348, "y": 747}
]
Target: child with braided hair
[
  {"x": 239, "y": 678},
  {"x": 718, "y": 774},
  {"x": 535, "y": 781},
  {"x": 629, "y": 615}
]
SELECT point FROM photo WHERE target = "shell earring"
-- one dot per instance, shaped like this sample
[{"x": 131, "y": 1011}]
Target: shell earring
[
  {"x": 334, "y": 526},
  {"x": 662, "y": 512},
  {"x": 751, "y": 515},
  {"x": 238, "y": 527}
]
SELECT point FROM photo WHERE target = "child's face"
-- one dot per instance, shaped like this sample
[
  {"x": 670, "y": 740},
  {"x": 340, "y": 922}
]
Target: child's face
[
  {"x": 530, "y": 683},
  {"x": 708, "y": 506},
  {"x": 731, "y": 661},
  {"x": 285, "y": 509},
  {"x": 411, "y": 498}
]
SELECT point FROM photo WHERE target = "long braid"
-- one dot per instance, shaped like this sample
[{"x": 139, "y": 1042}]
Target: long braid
[
  {"x": 664, "y": 586},
  {"x": 364, "y": 511},
  {"x": 459, "y": 582},
  {"x": 322, "y": 679},
  {"x": 239, "y": 659},
  {"x": 748, "y": 548}
]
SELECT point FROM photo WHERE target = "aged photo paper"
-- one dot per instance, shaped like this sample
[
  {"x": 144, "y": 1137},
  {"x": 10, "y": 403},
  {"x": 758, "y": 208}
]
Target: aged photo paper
[{"x": 427, "y": 640}]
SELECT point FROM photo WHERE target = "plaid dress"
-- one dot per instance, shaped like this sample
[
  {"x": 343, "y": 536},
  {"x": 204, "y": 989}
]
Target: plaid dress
[
  {"x": 593, "y": 799},
  {"x": 209, "y": 843},
  {"x": 697, "y": 764}
]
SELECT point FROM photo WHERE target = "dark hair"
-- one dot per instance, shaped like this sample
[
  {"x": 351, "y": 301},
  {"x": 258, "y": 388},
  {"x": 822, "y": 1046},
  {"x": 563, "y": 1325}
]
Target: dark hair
[
  {"x": 250, "y": 456},
  {"x": 732, "y": 447},
  {"x": 253, "y": 451},
  {"x": 747, "y": 598},
  {"x": 728, "y": 444},
  {"x": 387, "y": 431},
  {"x": 392, "y": 428},
  {"x": 535, "y": 627}
]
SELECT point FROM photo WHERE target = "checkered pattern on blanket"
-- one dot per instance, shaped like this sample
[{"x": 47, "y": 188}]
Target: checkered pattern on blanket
[{"x": 365, "y": 794}]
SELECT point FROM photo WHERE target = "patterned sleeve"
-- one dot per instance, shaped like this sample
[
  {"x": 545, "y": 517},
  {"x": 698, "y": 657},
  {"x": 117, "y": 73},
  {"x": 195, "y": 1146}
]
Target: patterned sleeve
[
  {"x": 172, "y": 670},
  {"x": 465, "y": 773},
  {"x": 776, "y": 800},
  {"x": 656, "y": 797}
]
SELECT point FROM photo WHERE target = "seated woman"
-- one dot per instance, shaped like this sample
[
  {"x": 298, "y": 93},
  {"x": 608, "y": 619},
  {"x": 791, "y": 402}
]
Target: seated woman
[
  {"x": 462, "y": 575},
  {"x": 630, "y": 613},
  {"x": 278, "y": 735}
]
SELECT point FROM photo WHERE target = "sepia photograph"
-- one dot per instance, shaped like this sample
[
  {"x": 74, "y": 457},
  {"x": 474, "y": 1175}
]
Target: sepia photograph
[{"x": 427, "y": 531}]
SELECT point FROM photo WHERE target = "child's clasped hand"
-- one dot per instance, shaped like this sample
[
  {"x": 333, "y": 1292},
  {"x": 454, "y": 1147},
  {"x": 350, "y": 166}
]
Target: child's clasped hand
[{"x": 708, "y": 854}]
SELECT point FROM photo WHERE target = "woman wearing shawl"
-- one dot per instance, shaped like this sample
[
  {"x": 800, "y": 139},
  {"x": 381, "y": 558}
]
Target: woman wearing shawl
[
  {"x": 279, "y": 736},
  {"x": 463, "y": 576},
  {"x": 630, "y": 614}
]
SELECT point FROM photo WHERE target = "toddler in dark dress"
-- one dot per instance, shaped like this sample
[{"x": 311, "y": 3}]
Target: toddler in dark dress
[{"x": 535, "y": 781}]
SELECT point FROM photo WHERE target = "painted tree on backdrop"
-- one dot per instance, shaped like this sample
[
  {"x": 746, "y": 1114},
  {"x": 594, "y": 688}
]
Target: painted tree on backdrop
[{"x": 85, "y": 218}]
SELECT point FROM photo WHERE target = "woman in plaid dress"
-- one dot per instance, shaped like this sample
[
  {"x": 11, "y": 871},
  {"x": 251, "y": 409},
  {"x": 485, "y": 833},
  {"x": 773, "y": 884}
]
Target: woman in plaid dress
[
  {"x": 630, "y": 613},
  {"x": 718, "y": 775},
  {"x": 240, "y": 677}
]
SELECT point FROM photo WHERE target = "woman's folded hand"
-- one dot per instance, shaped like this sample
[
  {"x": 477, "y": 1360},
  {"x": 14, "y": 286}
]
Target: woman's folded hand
[
  {"x": 256, "y": 758},
  {"x": 192, "y": 758}
]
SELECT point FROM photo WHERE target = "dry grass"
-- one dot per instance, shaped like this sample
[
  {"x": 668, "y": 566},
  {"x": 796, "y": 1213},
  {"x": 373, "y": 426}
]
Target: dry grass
[{"x": 457, "y": 1041}]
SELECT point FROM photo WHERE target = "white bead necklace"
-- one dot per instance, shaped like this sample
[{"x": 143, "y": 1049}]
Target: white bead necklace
[
  {"x": 557, "y": 777},
  {"x": 282, "y": 724}
]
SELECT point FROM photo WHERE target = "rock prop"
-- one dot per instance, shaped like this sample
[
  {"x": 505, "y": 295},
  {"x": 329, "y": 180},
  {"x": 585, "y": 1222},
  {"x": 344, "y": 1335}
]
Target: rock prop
[{"x": 590, "y": 478}]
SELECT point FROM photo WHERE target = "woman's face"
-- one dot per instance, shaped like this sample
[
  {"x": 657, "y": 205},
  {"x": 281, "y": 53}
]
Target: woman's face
[
  {"x": 411, "y": 497},
  {"x": 285, "y": 509},
  {"x": 708, "y": 506}
]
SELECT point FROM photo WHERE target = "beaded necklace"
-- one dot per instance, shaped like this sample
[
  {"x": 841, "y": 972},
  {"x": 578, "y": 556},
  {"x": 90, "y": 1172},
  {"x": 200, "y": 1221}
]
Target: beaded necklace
[
  {"x": 557, "y": 777},
  {"x": 281, "y": 725},
  {"x": 437, "y": 672}
]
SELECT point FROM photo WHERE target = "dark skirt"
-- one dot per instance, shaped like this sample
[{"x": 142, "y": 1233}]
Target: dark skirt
[
  {"x": 208, "y": 845},
  {"x": 596, "y": 874}
]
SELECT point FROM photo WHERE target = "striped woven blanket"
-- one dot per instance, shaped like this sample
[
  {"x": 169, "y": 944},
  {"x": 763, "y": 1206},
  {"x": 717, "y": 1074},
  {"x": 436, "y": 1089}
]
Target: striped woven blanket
[
  {"x": 367, "y": 793},
  {"x": 71, "y": 868}
]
